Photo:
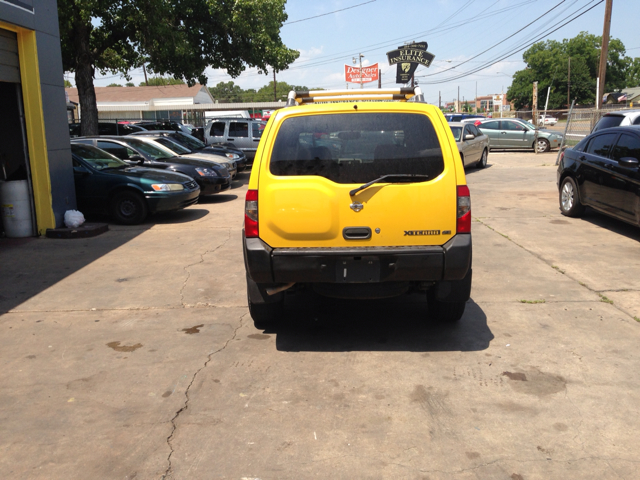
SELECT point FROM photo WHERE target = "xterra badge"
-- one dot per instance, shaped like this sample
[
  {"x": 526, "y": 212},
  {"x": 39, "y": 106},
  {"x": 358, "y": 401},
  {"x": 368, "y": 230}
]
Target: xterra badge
[{"x": 421, "y": 232}]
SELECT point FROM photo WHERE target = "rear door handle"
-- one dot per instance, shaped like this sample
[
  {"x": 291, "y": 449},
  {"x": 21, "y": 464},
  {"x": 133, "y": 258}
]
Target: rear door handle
[{"x": 356, "y": 233}]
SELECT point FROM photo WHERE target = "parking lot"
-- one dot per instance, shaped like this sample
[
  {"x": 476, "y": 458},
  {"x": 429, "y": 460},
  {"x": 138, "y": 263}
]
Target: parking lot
[{"x": 132, "y": 354}]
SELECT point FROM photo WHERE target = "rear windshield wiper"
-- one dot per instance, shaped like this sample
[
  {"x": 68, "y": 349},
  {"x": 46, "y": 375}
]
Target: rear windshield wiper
[{"x": 384, "y": 177}]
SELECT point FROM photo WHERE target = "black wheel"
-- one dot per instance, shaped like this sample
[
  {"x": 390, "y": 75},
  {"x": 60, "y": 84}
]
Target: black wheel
[
  {"x": 570, "y": 204},
  {"x": 265, "y": 309},
  {"x": 444, "y": 311},
  {"x": 129, "y": 208},
  {"x": 482, "y": 163},
  {"x": 542, "y": 145},
  {"x": 265, "y": 314}
]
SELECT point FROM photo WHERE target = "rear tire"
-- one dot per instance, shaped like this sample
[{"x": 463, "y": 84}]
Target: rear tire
[
  {"x": 129, "y": 208},
  {"x": 482, "y": 163},
  {"x": 448, "y": 312},
  {"x": 570, "y": 204},
  {"x": 265, "y": 314}
]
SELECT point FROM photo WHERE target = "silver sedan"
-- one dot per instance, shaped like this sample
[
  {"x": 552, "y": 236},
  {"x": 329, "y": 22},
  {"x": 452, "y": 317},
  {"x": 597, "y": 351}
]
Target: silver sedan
[{"x": 473, "y": 145}]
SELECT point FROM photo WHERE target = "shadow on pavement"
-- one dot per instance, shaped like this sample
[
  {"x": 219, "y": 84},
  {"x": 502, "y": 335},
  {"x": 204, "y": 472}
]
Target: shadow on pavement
[
  {"x": 317, "y": 324},
  {"x": 29, "y": 266},
  {"x": 613, "y": 224},
  {"x": 218, "y": 198}
]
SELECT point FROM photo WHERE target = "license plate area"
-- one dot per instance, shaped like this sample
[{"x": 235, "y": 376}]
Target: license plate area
[{"x": 365, "y": 269}]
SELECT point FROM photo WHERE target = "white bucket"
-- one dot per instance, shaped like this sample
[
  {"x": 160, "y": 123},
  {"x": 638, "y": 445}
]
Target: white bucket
[{"x": 15, "y": 208}]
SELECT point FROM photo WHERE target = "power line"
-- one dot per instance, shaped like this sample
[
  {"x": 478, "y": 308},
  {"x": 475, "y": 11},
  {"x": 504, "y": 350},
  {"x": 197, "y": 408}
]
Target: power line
[
  {"x": 328, "y": 13},
  {"x": 517, "y": 49}
]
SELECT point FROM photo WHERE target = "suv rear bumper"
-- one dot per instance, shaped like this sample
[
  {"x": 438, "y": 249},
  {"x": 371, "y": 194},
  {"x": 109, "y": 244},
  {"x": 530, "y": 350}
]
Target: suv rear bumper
[{"x": 267, "y": 265}]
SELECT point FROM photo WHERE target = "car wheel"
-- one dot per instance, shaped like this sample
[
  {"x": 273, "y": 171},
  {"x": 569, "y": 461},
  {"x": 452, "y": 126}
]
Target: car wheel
[
  {"x": 129, "y": 208},
  {"x": 482, "y": 163},
  {"x": 265, "y": 314},
  {"x": 542, "y": 145},
  {"x": 444, "y": 311},
  {"x": 570, "y": 204}
]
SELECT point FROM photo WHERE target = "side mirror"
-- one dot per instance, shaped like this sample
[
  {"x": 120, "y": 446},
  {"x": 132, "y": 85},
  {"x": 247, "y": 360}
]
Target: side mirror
[
  {"x": 80, "y": 170},
  {"x": 469, "y": 136},
  {"x": 628, "y": 162}
]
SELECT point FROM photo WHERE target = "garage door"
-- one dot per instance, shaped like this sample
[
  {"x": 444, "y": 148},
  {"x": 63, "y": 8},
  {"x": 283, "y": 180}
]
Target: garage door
[{"x": 9, "y": 64}]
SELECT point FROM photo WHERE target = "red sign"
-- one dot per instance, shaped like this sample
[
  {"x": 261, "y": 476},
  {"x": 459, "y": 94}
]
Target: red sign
[{"x": 369, "y": 74}]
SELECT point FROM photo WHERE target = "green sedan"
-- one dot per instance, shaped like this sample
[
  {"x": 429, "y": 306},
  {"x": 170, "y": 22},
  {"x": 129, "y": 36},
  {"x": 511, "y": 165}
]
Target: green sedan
[{"x": 519, "y": 134}]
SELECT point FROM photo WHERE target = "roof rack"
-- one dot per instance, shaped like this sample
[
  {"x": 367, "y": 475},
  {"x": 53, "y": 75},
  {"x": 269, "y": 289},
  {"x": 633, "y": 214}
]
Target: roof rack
[{"x": 403, "y": 94}]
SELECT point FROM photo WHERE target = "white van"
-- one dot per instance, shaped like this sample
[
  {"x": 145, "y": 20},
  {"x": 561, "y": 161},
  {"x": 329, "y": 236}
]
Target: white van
[{"x": 238, "y": 132}]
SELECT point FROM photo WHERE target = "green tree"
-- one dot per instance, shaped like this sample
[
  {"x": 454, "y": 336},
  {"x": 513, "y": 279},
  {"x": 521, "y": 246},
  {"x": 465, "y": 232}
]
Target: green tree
[
  {"x": 67, "y": 84},
  {"x": 633, "y": 73},
  {"x": 179, "y": 38},
  {"x": 548, "y": 64},
  {"x": 160, "y": 81},
  {"x": 114, "y": 85},
  {"x": 129, "y": 84},
  {"x": 227, "y": 92}
]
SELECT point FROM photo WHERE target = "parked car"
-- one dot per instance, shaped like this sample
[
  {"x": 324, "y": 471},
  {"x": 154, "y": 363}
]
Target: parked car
[
  {"x": 379, "y": 208},
  {"x": 618, "y": 119},
  {"x": 106, "y": 184},
  {"x": 544, "y": 120},
  {"x": 458, "y": 117},
  {"x": 194, "y": 145},
  {"x": 178, "y": 149},
  {"x": 473, "y": 145},
  {"x": 601, "y": 172},
  {"x": 211, "y": 176},
  {"x": 106, "y": 128},
  {"x": 514, "y": 133},
  {"x": 165, "y": 125},
  {"x": 242, "y": 133}
]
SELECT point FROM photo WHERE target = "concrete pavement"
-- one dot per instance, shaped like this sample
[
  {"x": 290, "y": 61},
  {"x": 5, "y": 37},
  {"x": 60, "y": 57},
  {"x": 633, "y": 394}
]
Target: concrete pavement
[{"x": 132, "y": 355}]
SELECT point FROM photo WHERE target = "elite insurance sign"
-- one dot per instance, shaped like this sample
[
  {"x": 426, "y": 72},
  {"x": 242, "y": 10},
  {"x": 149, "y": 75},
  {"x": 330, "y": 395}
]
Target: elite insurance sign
[
  {"x": 408, "y": 58},
  {"x": 369, "y": 74}
]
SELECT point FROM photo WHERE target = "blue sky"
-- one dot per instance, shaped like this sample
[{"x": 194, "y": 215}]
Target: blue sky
[{"x": 456, "y": 30}]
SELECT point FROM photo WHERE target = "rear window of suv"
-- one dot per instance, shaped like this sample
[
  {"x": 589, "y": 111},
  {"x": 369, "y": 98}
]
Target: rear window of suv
[
  {"x": 357, "y": 148},
  {"x": 608, "y": 121}
]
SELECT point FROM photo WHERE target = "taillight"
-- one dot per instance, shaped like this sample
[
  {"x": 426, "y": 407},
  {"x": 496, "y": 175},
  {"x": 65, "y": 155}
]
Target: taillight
[
  {"x": 464, "y": 210},
  {"x": 251, "y": 214}
]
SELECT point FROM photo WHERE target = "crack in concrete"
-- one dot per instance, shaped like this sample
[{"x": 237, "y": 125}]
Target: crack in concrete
[
  {"x": 169, "y": 471},
  {"x": 550, "y": 264},
  {"x": 202, "y": 255}
]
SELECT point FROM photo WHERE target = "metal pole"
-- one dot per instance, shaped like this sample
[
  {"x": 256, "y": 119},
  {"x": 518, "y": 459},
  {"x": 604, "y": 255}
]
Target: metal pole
[
  {"x": 379, "y": 78},
  {"x": 275, "y": 94},
  {"x": 569, "y": 82},
  {"x": 360, "y": 58},
  {"x": 534, "y": 113},
  {"x": 546, "y": 104},
  {"x": 458, "y": 102},
  {"x": 604, "y": 51},
  {"x": 566, "y": 129}
]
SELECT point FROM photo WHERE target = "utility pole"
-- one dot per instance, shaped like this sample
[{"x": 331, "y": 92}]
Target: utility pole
[
  {"x": 144, "y": 69},
  {"x": 604, "y": 52},
  {"x": 275, "y": 95},
  {"x": 360, "y": 55},
  {"x": 458, "y": 103},
  {"x": 379, "y": 79},
  {"x": 535, "y": 115},
  {"x": 569, "y": 83}
]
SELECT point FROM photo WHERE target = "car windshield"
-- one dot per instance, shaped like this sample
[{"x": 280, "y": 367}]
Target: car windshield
[
  {"x": 457, "y": 133},
  {"x": 608, "y": 121},
  {"x": 97, "y": 158},
  {"x": 188, "y": 141},
  {"x": 155, "y": 152},
  {"x": 357, "y": 148},
  {"x": 529, "y": 125},
  {"x": 172, "y": 145}
]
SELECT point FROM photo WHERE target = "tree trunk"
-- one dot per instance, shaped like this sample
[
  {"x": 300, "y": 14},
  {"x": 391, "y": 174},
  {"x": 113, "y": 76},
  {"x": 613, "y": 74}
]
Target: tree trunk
[
  {"x": 84, "y": 81},
  {"x": 88, "y": 104}
]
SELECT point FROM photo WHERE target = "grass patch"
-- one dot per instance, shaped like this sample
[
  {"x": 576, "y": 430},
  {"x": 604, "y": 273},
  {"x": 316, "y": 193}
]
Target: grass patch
[
  {"x": 636, "y": 319},
  {"x": 605, "y": 299},
  {"x": 557, "y": 268},
  {"x": 535, "y": 301},
  {"x": 582, "y": 284}
]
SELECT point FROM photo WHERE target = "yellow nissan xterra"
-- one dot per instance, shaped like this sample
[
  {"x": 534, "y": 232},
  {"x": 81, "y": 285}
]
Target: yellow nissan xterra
[{"x": 357, "y": 195}]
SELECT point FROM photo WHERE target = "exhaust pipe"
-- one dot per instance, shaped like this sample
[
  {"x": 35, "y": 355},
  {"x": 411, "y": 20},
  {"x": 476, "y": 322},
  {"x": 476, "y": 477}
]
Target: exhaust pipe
[{"x": 281, "y": 288}]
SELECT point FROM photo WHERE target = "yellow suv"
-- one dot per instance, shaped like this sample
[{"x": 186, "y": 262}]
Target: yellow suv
[{"x": 359, "y": 198}]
